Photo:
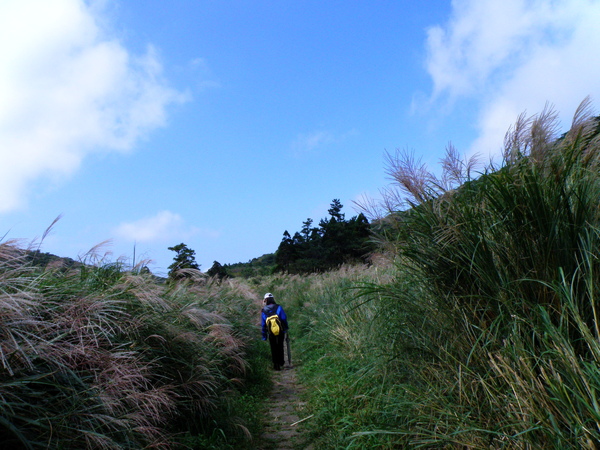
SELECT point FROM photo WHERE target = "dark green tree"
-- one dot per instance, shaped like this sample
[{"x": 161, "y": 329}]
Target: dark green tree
[
  {"x": 286, "y": 253},
  {"x": 335, "y": 210},
  {"x": 336, "y": 241},
  {"x": 184, "y": 259},
  {"x": 217, "y": 270},
  {"x": 307, "y": 230}
]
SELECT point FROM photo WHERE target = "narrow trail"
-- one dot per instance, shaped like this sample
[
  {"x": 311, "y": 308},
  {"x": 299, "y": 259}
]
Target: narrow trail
[{"x": 287, "y": 413}]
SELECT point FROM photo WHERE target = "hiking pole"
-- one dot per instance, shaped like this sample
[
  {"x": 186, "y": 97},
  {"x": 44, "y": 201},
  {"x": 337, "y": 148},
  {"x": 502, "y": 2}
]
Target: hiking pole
[{"x": 287, "y": 340}]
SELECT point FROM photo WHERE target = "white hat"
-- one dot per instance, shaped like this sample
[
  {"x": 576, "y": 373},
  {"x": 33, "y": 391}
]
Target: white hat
[{"x": 268, "y": 295}]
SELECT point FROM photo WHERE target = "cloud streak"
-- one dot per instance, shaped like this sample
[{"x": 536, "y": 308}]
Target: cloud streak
[
  {"x": 317, "y": 140},
  {"x": 163, "y": 227},
  {"x": 514, "y": 56},
  {"x": 308, "y": 142},
  {"x": 67, "y": 89}
]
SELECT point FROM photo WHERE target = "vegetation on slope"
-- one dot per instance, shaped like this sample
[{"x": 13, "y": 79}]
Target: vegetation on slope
[
  {"x": 486, "y": 334},
  {"x": 93, "y": 356},
  {"x": 256, "y": 267},
  {"x": 480, "y": 329}
]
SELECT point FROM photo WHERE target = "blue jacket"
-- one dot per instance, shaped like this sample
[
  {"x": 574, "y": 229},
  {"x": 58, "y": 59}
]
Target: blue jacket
[{"x": 269, "y": 310}]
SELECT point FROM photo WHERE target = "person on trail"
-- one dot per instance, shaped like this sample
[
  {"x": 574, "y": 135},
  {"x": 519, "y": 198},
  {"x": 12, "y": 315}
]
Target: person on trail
[{"x": 274, "y": 328}]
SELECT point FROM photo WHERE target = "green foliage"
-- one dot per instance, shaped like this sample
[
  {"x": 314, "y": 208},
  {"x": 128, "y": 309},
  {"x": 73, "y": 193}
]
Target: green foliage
[
  {"x": 507, "y": 269},
  {"x": 97, "y": 357},
  {"x": 44, "y": 259},
  {"x": 484, "y": 334},
  {"x": 336, "y": 241},
  {"x": 217, "y": 270},
  {"x": 256, "y": 267},
  {"x": 183, "y": 261},
  {"x": 340, "y": 355}
]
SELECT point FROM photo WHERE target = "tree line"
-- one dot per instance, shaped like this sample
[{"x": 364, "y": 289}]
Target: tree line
[{"x": 333, "y": 242}]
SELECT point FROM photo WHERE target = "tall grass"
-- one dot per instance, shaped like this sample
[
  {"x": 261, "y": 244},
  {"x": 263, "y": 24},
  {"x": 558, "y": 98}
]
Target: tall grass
[
  {"x": 484, "y": 333},
  {"x": 508, "y": 270},
  {"x": 341, "y": 357},
  {"x": 100, "y": 357}
]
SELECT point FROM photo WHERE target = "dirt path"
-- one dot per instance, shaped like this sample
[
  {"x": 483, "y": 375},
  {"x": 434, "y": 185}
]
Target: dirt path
[{"x": 284, "y": 430}]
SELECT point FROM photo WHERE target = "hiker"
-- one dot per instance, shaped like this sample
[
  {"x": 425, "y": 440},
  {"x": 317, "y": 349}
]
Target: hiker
[{"x": 276, "y": 339}]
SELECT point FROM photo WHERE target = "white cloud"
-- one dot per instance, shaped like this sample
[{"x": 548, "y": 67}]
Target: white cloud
[
  {"x": 164, "y": 226},
  {"x": 307, "y": 142},
  {"x": 514, "y": 56},
  {"x": 205, "y": 77},
  {"x": 68, "y": 89}
]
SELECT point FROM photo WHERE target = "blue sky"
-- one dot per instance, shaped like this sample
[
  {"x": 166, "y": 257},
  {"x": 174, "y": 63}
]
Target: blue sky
[{"x": 221, "y": 124}]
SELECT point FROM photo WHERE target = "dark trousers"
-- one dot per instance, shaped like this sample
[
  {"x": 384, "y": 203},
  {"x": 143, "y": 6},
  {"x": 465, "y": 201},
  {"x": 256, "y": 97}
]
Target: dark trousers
[{"x": 277, "y": 349}]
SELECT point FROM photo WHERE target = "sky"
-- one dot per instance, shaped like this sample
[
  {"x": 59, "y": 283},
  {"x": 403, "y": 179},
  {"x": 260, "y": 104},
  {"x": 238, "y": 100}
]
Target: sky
[{"x": 143, "y": 124}]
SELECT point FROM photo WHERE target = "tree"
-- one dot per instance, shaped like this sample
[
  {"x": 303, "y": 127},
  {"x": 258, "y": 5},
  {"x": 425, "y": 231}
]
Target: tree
[
  {"x": 336, "y": 241},
  {"x": 185, "y": 259},
  {"x": 307, "y": 230},
  {"x": 217, "y": 270},
  {"x": 335, "y": 210},
  {"x": 286, "y": 253}
]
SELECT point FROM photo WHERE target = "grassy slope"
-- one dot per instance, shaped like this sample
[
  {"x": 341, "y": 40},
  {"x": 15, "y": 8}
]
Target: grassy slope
[
  {"x": 484, "y": 333},
  {"x": 93, "y": 356}
]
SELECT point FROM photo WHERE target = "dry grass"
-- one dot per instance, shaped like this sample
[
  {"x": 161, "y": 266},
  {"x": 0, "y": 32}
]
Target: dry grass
[{"x": 96, "y": 357}]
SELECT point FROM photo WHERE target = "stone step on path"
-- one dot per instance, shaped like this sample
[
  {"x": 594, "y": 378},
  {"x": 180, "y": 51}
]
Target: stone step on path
[{"x": 287, "y": 414}]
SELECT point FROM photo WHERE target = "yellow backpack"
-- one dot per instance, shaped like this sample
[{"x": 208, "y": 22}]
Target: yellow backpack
[{"x": 274, "y": 325}]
